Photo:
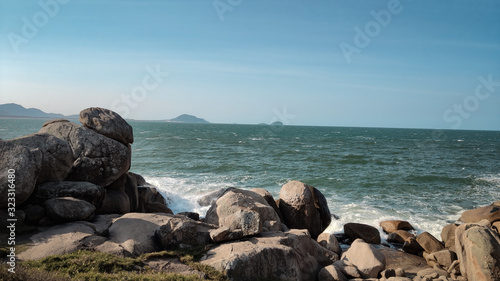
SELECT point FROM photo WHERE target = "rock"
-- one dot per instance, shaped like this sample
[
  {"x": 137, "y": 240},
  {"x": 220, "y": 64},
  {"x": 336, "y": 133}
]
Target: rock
[
  {"x": 394, "y": 225},
  {"x": 388, "y": 273},
  {"x": 429, "y": 243},
  {"x": 107, "y": 123},
  {"x": 411, "y": 246},
  {"x": 448, "y": 235},
  {"x": 191, "y": 215},
  {"x": 99, "y": 159},
  {"x": 399, "y": 236},
  {"x": 496, "y": 226},
  {"x": 399, "y": 279},
  {"x": 242, "y": 210},
  {"x": 156, "y": 207},
  {"x": 304, "y": 207},
  {"x": 443, "y": 258},
  {"x": 329, "y": 241},
  {"x": 432, "y": 273},
  {"x": 173, "y": 265},
  {"x": 368, "y": 233},
  {"x": 27, "y": 163},
  {"x": 34, "y": 213},
  {"x": 270, "y": 200},
  {"x": 180, "y": 230},
  {"x": 57, "y": 156},
  {"x": 147, "y": 196},
  {"x": 331, "y": 273},
  {"x": 132, "y": 191},
  {"x": 65, "y": 209},
  {"x": 273, "y": 256},
  {"x": 81, "y": 190},
  {"x": 368, "y": 260},
  {"x": 57, "y": 240},
  {"x": 491, "y": 213},
  {"x": 478, "y": 250},
  {"x": 211, "y": 198},
  {"x": 133, "y": 234},
  {"x": 348, "y": 269},
  {"x": 398, "y": 260},
  {"x": 114, "y": 202}
]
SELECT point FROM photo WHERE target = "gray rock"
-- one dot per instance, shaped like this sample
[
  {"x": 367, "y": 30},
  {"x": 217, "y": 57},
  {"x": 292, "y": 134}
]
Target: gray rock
[
  {"x": 114, "y": 202},
  {"x": 271, "y": 256},
  {"x": 304, "y": 207},
  {"x": 99, "y": 159},
  {"x": 180, "y": 230},
  {"x": 57, "y": 156},
  {"x": 107, "y": 123},
  {"x": 243, "y": 210},
  {"x": 211, "y": 198},
  {"x": 27, "y": 163},
  {"x": 34, "y": 213},
  {"x": 66, "y": 209},
  {"x": 147, "y": 196},
  {"x": 270, "y": 200},
  {"x": 81, "y": 190}
]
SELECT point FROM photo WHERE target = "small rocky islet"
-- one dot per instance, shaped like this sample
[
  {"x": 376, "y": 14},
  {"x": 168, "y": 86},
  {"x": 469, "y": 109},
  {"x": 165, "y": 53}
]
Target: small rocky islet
[{"x": 74, "y": 191}]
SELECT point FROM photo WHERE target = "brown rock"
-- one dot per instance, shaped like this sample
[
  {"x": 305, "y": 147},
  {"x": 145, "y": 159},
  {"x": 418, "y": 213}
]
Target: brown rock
[
  {"x": 304, "y": 207},
  {"x": 478, "y": 250},
  {"x": 330, "y": 242},
  {"x": 491, "y": 213},
  {"x": 429, "y": 243},
  {"x": 443, "y": 258},
  {"x": 368, "y": 233},
  {"x": 400, "y": 260},
  {"x": 368, "y": 260},
  {"x": 107, "y": 123},
  {"x": 411, "y": 246},
  {"x": 348, "y": 269},
  {"x": 394, "y": 225},
  {"x": 273, "y": 256},
  {"x": 147, "y": 196},
  {"x": 270, "y": 200},
  {"x": 496, "y": 226},
  {"x": 399, "y": 236},
  {"x": 448, "y": 235}
]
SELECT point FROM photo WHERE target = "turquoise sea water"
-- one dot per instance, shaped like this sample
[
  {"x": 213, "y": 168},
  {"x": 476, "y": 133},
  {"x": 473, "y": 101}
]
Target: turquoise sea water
[{"x": 427, "y": 177}]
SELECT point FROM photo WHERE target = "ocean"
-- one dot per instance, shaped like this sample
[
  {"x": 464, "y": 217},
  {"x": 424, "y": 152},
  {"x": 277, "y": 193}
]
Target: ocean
[{"x": 427, "y": 177}]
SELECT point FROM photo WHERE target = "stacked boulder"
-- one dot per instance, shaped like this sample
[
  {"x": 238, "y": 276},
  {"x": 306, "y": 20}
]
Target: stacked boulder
[{"x": 67, "y": 172}]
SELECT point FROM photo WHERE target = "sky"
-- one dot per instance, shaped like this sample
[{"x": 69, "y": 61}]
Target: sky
[{"x": 366, "y": 63}]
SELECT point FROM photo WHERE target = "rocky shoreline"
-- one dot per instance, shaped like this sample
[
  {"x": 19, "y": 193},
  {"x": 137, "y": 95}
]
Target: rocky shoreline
[{"x": 74, "y": 191}]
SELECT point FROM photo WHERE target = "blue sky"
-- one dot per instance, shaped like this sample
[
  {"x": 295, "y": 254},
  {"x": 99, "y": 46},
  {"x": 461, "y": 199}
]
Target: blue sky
[{"x": 412, "y": 64}]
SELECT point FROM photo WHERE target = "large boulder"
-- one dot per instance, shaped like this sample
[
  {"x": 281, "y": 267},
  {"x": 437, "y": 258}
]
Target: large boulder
[
  {"x": 448, "y": 235},
  {"x": 478, "y": 250},
  {"x": 245, "y": 211},
  {"x": 107, "y": 123},
  {"x": 57, "y": 156},
  {"x": 99, "y": 159},
  {"x": 182, "y": 231},
  {"x": 81, "y": 190},
  {"x": 133, "y": 234},
  {"x": 399, "y": 236},
  {"x": 368, "y": 260},
  {"x": 331, "y": 273},
  {"x": 66, "y": 209},
  {"x": 368, "y": 233},
  {"x": 491, "y": 213},
  {"x": 269, "y": 199},
  {"x": 394, "y": 225},
  {"x": 23, "y": 165},
  {"x": 291, "y": 255},
  {"x": 114, "y": 202},
  {"x": 304, "y": 207},
  {"x": 148, "y": 198}
]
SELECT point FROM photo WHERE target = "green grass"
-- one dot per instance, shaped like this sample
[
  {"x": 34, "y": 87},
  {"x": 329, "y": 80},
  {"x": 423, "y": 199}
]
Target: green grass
[{"x": 88, "y": 265}]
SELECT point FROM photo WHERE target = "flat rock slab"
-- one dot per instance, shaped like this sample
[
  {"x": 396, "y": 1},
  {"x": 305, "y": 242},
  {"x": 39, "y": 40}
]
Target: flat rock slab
[{"x": 57, "y": 240}]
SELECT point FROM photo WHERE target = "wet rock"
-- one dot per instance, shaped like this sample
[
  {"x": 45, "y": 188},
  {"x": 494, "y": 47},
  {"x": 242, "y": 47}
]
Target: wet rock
[
  {"x": 394, "y": 225},
  {"x": 399, "y": 236},
  {"x": 411, "y": 246}
]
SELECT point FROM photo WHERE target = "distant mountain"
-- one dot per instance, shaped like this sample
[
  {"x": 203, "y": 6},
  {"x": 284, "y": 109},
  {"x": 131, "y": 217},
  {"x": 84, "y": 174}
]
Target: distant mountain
[
  {"x": 186, "y": 118},
  {"x": 16, "y": 110}
]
